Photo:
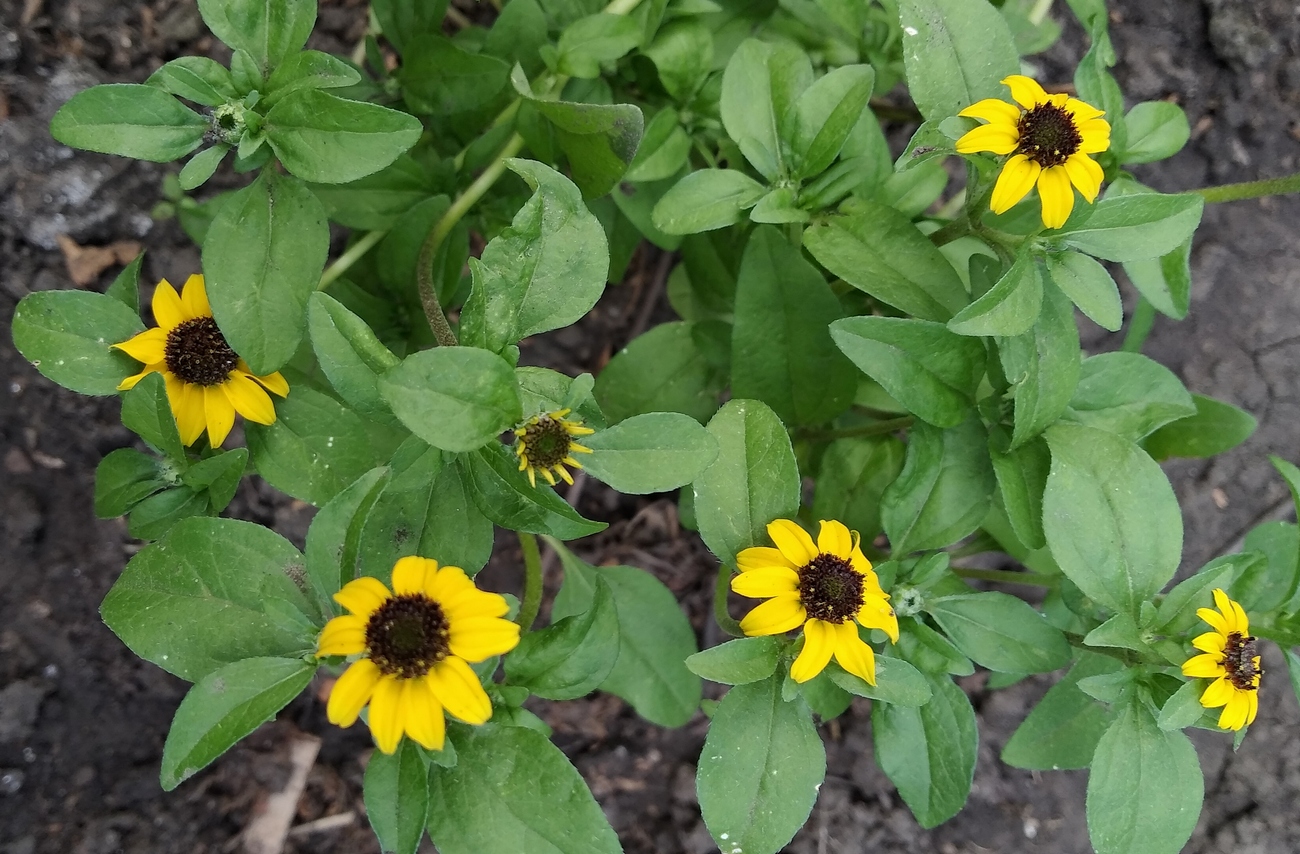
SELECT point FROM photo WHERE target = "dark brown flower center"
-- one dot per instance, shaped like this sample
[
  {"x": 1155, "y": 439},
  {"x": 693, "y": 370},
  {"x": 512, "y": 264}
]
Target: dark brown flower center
[
  {"x": 197, "y": 352},
  {"x": 1048, "y": 135},
  {"x": 1239, "y": 661},
  {"x": 407, "y": 635},
  {"x": 546, "y": 442},
  {"x": 830, "y": 589}
]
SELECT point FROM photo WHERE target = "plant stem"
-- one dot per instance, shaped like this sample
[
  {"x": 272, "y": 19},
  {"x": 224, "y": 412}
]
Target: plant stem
[
  {"x": 1251, "y": 189},
  {"x": 721, "y": 588},
  {"x": 622, "y": 7},
  {"x": 1139, "y": 326},
  {"x": 532, "y": 602},
  {"x": 1039, "y": 12},
  {"x": 959, "y": 227},
  {"x": 347, "y": 259},
  {"x": 1030, "y": 579},
  {"x": 877, "y": 428}
]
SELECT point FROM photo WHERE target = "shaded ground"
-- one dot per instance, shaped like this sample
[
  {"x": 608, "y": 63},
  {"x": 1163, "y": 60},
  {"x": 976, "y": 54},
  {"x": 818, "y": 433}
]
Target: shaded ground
[{"x": 82, "y": 721}]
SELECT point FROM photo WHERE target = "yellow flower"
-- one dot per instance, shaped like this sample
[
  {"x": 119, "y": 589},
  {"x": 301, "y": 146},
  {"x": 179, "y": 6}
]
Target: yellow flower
[
  {"x": 545, "y": 443},
  {"x": 417, "y": 643},
  {"x": 1228, "y": 657},
  {"x": 825, "y": 587},
  {"x": 207, "y": 382},
  {"x": 1049, "y": 138}
]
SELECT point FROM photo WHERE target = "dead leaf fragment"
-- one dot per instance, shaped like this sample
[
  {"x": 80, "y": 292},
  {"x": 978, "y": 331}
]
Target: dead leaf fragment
[{"x": 85, "y": 263}]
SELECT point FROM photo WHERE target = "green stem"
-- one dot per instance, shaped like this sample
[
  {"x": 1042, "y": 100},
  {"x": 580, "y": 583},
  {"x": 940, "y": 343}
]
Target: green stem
[
  {"x": 958, "y": 228},
  {"x": 1039, "y": 12},
  {"x": 622, "y": 7},
  {"x": 720, "y": 613},
  {"x": 1139, "y": 326},
  {"x": 1251, "y": 189},
  {"x": 1030, "y": 579},
  {"x": 532, "y": 602},
  {"x": 347, "y": 259},
  {"x": 877, "y": 428}
]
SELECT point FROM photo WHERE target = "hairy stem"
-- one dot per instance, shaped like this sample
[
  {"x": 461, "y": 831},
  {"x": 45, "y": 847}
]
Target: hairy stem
[
  {"x": 532, "y": 602},
  {"x": 1029, "y": 579},
  {"x": 877, "y": 428},
  {"x": 1251, "y": 189},
  {"x": 727, "y": 622},
  {"x": 345, "y": 261},
  {"x": 1139, "y": 326}
]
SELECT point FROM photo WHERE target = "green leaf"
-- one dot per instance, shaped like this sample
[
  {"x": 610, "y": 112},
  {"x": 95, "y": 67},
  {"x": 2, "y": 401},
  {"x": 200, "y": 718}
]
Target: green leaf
[
  {"x": 944, "y": 490},
  {"x": 334, "y": 538},
  {"x": 331, "y": 140},
  {"x": 310, "y": 69},
  {"x": 377, "y": 201},
  {"x": 754, "y": 480},
  {"x": 1216, "y": 427},
  {"x": 1010, "y": 308},
  {"x": 543, "y": 272},
  {"x": 655, "y": 452},
  {"x": 663, "y": 151},
  {"x": 880, "y": 252},
  {"x": 201, "y": 167},
  {"x": 897, "y": 682},
  {"x": 123, "y": 479},
  {"x": 269, "y": 31},
  {"x": 1063, "y": 729},
  {"x": 654, "y": 637},
  {"x": 853, "y": 476},
  {"x": 513, "y": 791},
  {"x": 440, "y": 78},
  {"x": 454, "y": 398},
  {"x": 1001, "y": 632},
  {"x": 154, "y": 517},
  {"x": 1129, "y": 395},
  {"x": 1184, "y": 708},
  {"x": 931, "y": 371},
  {"x": 781, "y": 353},
  {"x": 930, "y": 651},
  {"x": 1268, "y": 584},
  {"x": 196, "y": 78},
  {"x": 317, "y": 446},
  {"x": 219, "y": 475},
  {"x": 706, "y": 199},
  {"x": 661, "y": 370},
  {"x": 1145, "y": 788},
  {"x": 1111, "y": 519},
  {"x": 1176, "y": 613},
  {"x": 1156, "y": 130},
  {"x": 760, "y": 769},
  {"x": 349, "y": 354},
  {"x": 571, "y": 657},
  {"x": 682, "y": 52},
  {"x": 517, "y": 34},
  {"x": 760, "y": 86},
  {"x": 402, "y": 20},
  {"x": 67, "y": 336},
  {"x": 264, "y": 255},
  {"x": 778, "y": 207},
  {"x": 590, "y": 41},
  {"x": 1022, "y": 478},
  {"x": 1042, "y": 367},
  {"x": 223, "y": 707},
  {"x": 739, "y": 661},
  {"x": 928, "y": 752},
  {"x": 825, "y": 114},
  {"x": 1165, "y": 282},
  {"x": 126, "y": 285},
  {"x": 147, "y": 412},
  {"x": 202, "y": 597},
  {"x": 504, "y": 495},
  {"x": 1088, "y": 286},
  {"x": 397, "y": 794},
  {"x": 132, "y": 120},
  {"x": 1136, "y": 227},
  {"x": 956, "y": 53}
]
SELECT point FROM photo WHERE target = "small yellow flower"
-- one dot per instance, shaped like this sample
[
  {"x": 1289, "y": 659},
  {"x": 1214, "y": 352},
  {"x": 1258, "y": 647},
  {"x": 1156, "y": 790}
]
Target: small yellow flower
[
  {"x": 545, "y": 443},
  {"x": 828, "y": 587},
  {"x": 417, "y": 643},
  {"x": 1049, "y": 138},
  {"x": 1228, "y": 656},
  {"x": 207, "y": 382}
]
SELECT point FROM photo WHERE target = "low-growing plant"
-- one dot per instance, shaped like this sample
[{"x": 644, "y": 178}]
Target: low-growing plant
[{"x": 875, "y": 376}]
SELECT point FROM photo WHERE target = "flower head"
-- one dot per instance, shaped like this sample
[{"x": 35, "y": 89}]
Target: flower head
[
  {"x": 417, "y": 642},
  {"x": 207, "y": 382},
  {"x": 1049, "y": 138},
  {"x": 828, "y": 587},
  {"x": 1229, "y": 657},
  {"x": 545, "y": 443}
]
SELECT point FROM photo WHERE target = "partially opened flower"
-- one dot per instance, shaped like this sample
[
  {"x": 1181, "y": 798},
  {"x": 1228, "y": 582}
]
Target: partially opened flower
[
  {"x": 1049, "y": 138},
  {"x": 1229, "y": 657},
  {"x": 545, "y": 443},
  {"x": 207, "y": 382},
  {"x": 827, "y": 587},
  {"x": 416, "y": 644}
]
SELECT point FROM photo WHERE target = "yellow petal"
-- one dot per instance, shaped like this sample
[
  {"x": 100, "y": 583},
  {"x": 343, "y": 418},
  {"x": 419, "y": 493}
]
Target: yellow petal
[
  {"x": 472, "y": 603},
  {"x": 1212, "y": 642},
  {"x": 863, "y": 566},
  {"x": 766, "y": 582},
  {"x": 446, "y": 583},
  {"x": 875, "y": 613},
  {"x": 835, "y": 539},
  {"x": 1025, "y": 90},
  {"x": 149, "y": 346},
  {"x": 275, "y": 384},
  {"x": 387, "y": 715},
  {"x": 853, "y": 654},
  {"x": 1086, "y": 174},
  {"x": 167, "y": 308},
  {"x": 219, "y": 414},
  {"x": 777, "y": 615},
  {"x": 761, "y": 557},
  {"x": 1057, "y": 196},
  {"x": 131, "y": 381},
  {"x": 1095, "y": 136},
  {"x": 793, "y": 541},
  {"x": 424, "y": 720},
  {"x": 188, "y": 405},
  {"x": 363, "y": 595},
  {"x": 409, "y": 574},
  {"x": 1224, "y": 604},
  {"x": 344, "y": 635},
  {"x": 1235, "y": 712},
  {"x": 993, "y": 110},
  {"x": 1219, "y": 692},
  {"x": 818, "y": 647},
  {"x": 1214, "y": 618},
  {"x": 458, "y": 689},
  {"x": 479, "y": 638},
  {"x": 1253, "y": 699},
  {"x": 998, "y": 139},
  {"x": 194, "y": 298},
  {"x": 1243, "y": 622},
  {"x": 249, "y": 398},
  {"x": 1018, "y": 177},
  {"x": 1207, "y": 666},
  {"x": 351, "y": 692},
  {"x": 1082, "y": 110}
]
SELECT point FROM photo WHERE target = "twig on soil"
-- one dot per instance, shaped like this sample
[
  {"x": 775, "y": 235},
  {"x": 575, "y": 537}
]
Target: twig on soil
[
  {"x": 320, "y": 825},
  {"x": 266, "y": 833},
  {"x": 657, "y": 285}
]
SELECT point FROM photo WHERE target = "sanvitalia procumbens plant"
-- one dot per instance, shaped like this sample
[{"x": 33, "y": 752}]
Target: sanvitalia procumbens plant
[{"x": 910, "y": 349}]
